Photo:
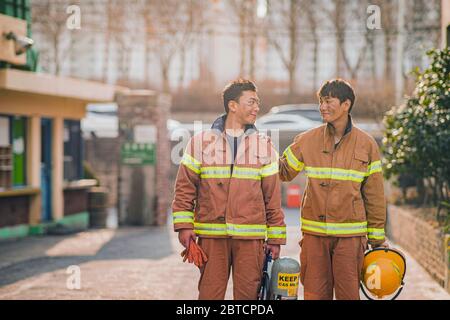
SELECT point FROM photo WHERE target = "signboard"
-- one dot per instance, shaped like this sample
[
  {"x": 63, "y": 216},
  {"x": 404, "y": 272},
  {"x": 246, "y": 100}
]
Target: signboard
[
  {"x": 138, "y": 154},
  {"x": 145, "y": 134}
]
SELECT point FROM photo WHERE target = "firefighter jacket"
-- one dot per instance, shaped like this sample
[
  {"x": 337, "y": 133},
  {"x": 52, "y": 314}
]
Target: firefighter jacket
[
  {"x": 344, "y": 195},
  {"x": 222, "y": 198}
]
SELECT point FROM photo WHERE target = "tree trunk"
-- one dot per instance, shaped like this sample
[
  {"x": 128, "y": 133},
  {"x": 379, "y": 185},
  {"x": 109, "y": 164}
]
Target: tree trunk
[
  {"x": 373, "y": 64},
  {"x": 421, "y": 191},
  {"x": 339, "y": 35},
  {"x": 293, "y": 49},
  {"x": 252, "y": 32},
  {"x": 56, "y": 53},
  {"x": 292, "y": 90},
  {"x": 315, "y": 59},
  {"x": 252, "y": 56},
  {"x": 107, "y": 44},
  {"x": 182, "y": 67},
  {"x": 147, "y": 62},
  {"x": 147, "y": 39},
  {"x": 165, "y": 77},
  {"x": 387, "y": 57},
  {"x": 243, "y": 52}
]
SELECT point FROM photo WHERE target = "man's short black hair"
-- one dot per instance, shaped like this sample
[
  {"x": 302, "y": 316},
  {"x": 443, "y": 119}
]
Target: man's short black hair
[
  {"x": 233, "y": 91},
  {"x": 339, "y": 89}
]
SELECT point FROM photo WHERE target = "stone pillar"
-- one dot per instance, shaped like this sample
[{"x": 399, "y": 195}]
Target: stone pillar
[
  {"x": 57, "y": 168},
  {"x": 163, "y": 161},
  {"x": 143, "y": 181}
]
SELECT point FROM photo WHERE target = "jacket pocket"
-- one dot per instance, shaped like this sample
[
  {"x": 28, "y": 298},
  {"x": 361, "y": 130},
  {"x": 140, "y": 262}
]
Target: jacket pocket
[
  {"x": 360, "y": 161},
  {"x": 359, "y": 210},
  {"x": 204, "y": 205},
  {"x": 257, "y": 213},
  {"x": 204, "y": 209}
]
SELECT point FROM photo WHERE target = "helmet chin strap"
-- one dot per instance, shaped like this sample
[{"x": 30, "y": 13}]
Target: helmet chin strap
[{"x": 399, "y": 290}]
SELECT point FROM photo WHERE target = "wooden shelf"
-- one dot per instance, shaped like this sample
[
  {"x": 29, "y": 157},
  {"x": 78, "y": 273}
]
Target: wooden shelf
[
  {"x": 6, "y": 167},
  {"x": 15, "y": 192},
  {"x": 79, "y": 184}
]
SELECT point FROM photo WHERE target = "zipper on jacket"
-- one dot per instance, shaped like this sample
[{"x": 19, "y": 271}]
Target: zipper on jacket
[
  {"x": 232, "y": 165},
  {"x": 329, "y": 185},
  {"x": 235, "y": 147}
]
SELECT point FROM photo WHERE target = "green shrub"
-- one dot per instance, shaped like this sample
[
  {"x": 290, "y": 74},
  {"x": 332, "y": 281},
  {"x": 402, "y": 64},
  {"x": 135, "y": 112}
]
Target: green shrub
[{"x": 417, "y": 136}]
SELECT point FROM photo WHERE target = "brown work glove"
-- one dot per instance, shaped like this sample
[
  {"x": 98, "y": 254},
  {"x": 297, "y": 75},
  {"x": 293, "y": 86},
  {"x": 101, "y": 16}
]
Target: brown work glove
[{"x": 194, "y": 254}]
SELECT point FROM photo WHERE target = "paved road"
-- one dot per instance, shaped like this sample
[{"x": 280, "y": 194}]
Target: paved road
[{"x": 132, "y": 263}]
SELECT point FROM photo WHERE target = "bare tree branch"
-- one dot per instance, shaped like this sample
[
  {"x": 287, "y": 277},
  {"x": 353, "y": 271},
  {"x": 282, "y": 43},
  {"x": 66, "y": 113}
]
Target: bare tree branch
[{"x": 286, "y": 14}]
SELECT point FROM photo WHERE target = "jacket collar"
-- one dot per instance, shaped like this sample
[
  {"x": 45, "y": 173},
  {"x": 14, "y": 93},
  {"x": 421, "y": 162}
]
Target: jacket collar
[
  {"x": 219, "y": 125},
  {"x": 328, "y": 137}
]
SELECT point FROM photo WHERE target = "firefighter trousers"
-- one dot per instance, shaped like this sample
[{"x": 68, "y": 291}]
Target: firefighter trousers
[
  {"x": 331, "y": 263},
  {"x": 244, "y": 257}
]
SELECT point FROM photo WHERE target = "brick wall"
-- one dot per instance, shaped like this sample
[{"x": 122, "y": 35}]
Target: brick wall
[
  {"x": 144, "y": 194},
  {"x": 426, "y": 243},
  {"x": 14, "y": 211}
]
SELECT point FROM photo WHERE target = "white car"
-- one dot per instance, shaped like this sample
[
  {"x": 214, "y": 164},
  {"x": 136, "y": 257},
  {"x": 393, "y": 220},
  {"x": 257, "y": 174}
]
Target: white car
[
  {"x": 307, "y": 110},
  {"x": 311, "y": 111},
  {"x": 285, "y": 122},
  {"x": 102, "y": 120}
]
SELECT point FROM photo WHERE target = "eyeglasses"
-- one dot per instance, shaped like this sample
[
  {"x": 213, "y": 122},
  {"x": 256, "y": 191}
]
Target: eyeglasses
[{"x": 252, "y": 102}]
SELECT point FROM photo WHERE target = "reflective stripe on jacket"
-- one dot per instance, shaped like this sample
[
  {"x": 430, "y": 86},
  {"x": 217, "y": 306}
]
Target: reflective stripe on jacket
[
  {"x": 344, "y": 195},
  {"x": 218, "y": 199}
]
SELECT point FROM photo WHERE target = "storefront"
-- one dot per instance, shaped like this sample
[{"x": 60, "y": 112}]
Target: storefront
[{"x": 41, "y": 172}]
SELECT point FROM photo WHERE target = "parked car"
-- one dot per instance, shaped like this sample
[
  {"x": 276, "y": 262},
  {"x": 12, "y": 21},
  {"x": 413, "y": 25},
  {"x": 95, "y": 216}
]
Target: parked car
[
  {"x": 285, "y": 122},
  {"x": 102, "y": 121},
  {"x": 309, "y": 111}
]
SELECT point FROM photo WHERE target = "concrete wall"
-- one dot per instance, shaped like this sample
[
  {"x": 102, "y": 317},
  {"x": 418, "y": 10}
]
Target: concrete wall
[
  {"x": 425, "y": 242},
  {"x": 102, "y": 155}
]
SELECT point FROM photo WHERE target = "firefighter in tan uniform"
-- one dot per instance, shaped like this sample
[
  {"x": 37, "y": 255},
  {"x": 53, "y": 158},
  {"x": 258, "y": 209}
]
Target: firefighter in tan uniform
[
  {"x": 227, "y": 194},
  {"x": 343, "y": 207}
]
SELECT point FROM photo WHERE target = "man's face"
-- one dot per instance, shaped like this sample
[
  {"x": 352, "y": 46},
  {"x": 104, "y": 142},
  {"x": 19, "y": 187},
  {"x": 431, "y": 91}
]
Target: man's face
[
  {"x": 246, "y": 108},
  {"x": 332, "y": 109}
]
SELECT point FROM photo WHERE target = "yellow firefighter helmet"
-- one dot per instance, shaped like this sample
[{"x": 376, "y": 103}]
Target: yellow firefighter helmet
[{"x": 383, "y": 272}]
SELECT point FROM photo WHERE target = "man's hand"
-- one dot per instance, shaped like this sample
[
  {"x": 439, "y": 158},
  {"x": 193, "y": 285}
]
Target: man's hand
[
  {"x": 185, "y": 236},
  {"x": 274, "y": 249},
  {"x": 381, "y": 245}
]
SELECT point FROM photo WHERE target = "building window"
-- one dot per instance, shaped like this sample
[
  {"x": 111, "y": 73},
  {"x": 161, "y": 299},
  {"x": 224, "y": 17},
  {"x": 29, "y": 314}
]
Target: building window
[
  {"x": 73, "y": 156},
  {"x": 12, "y": 152}
]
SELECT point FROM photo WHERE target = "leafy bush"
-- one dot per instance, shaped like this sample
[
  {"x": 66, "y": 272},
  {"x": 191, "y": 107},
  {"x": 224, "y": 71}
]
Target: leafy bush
[{"x": 417, "y": 136}]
